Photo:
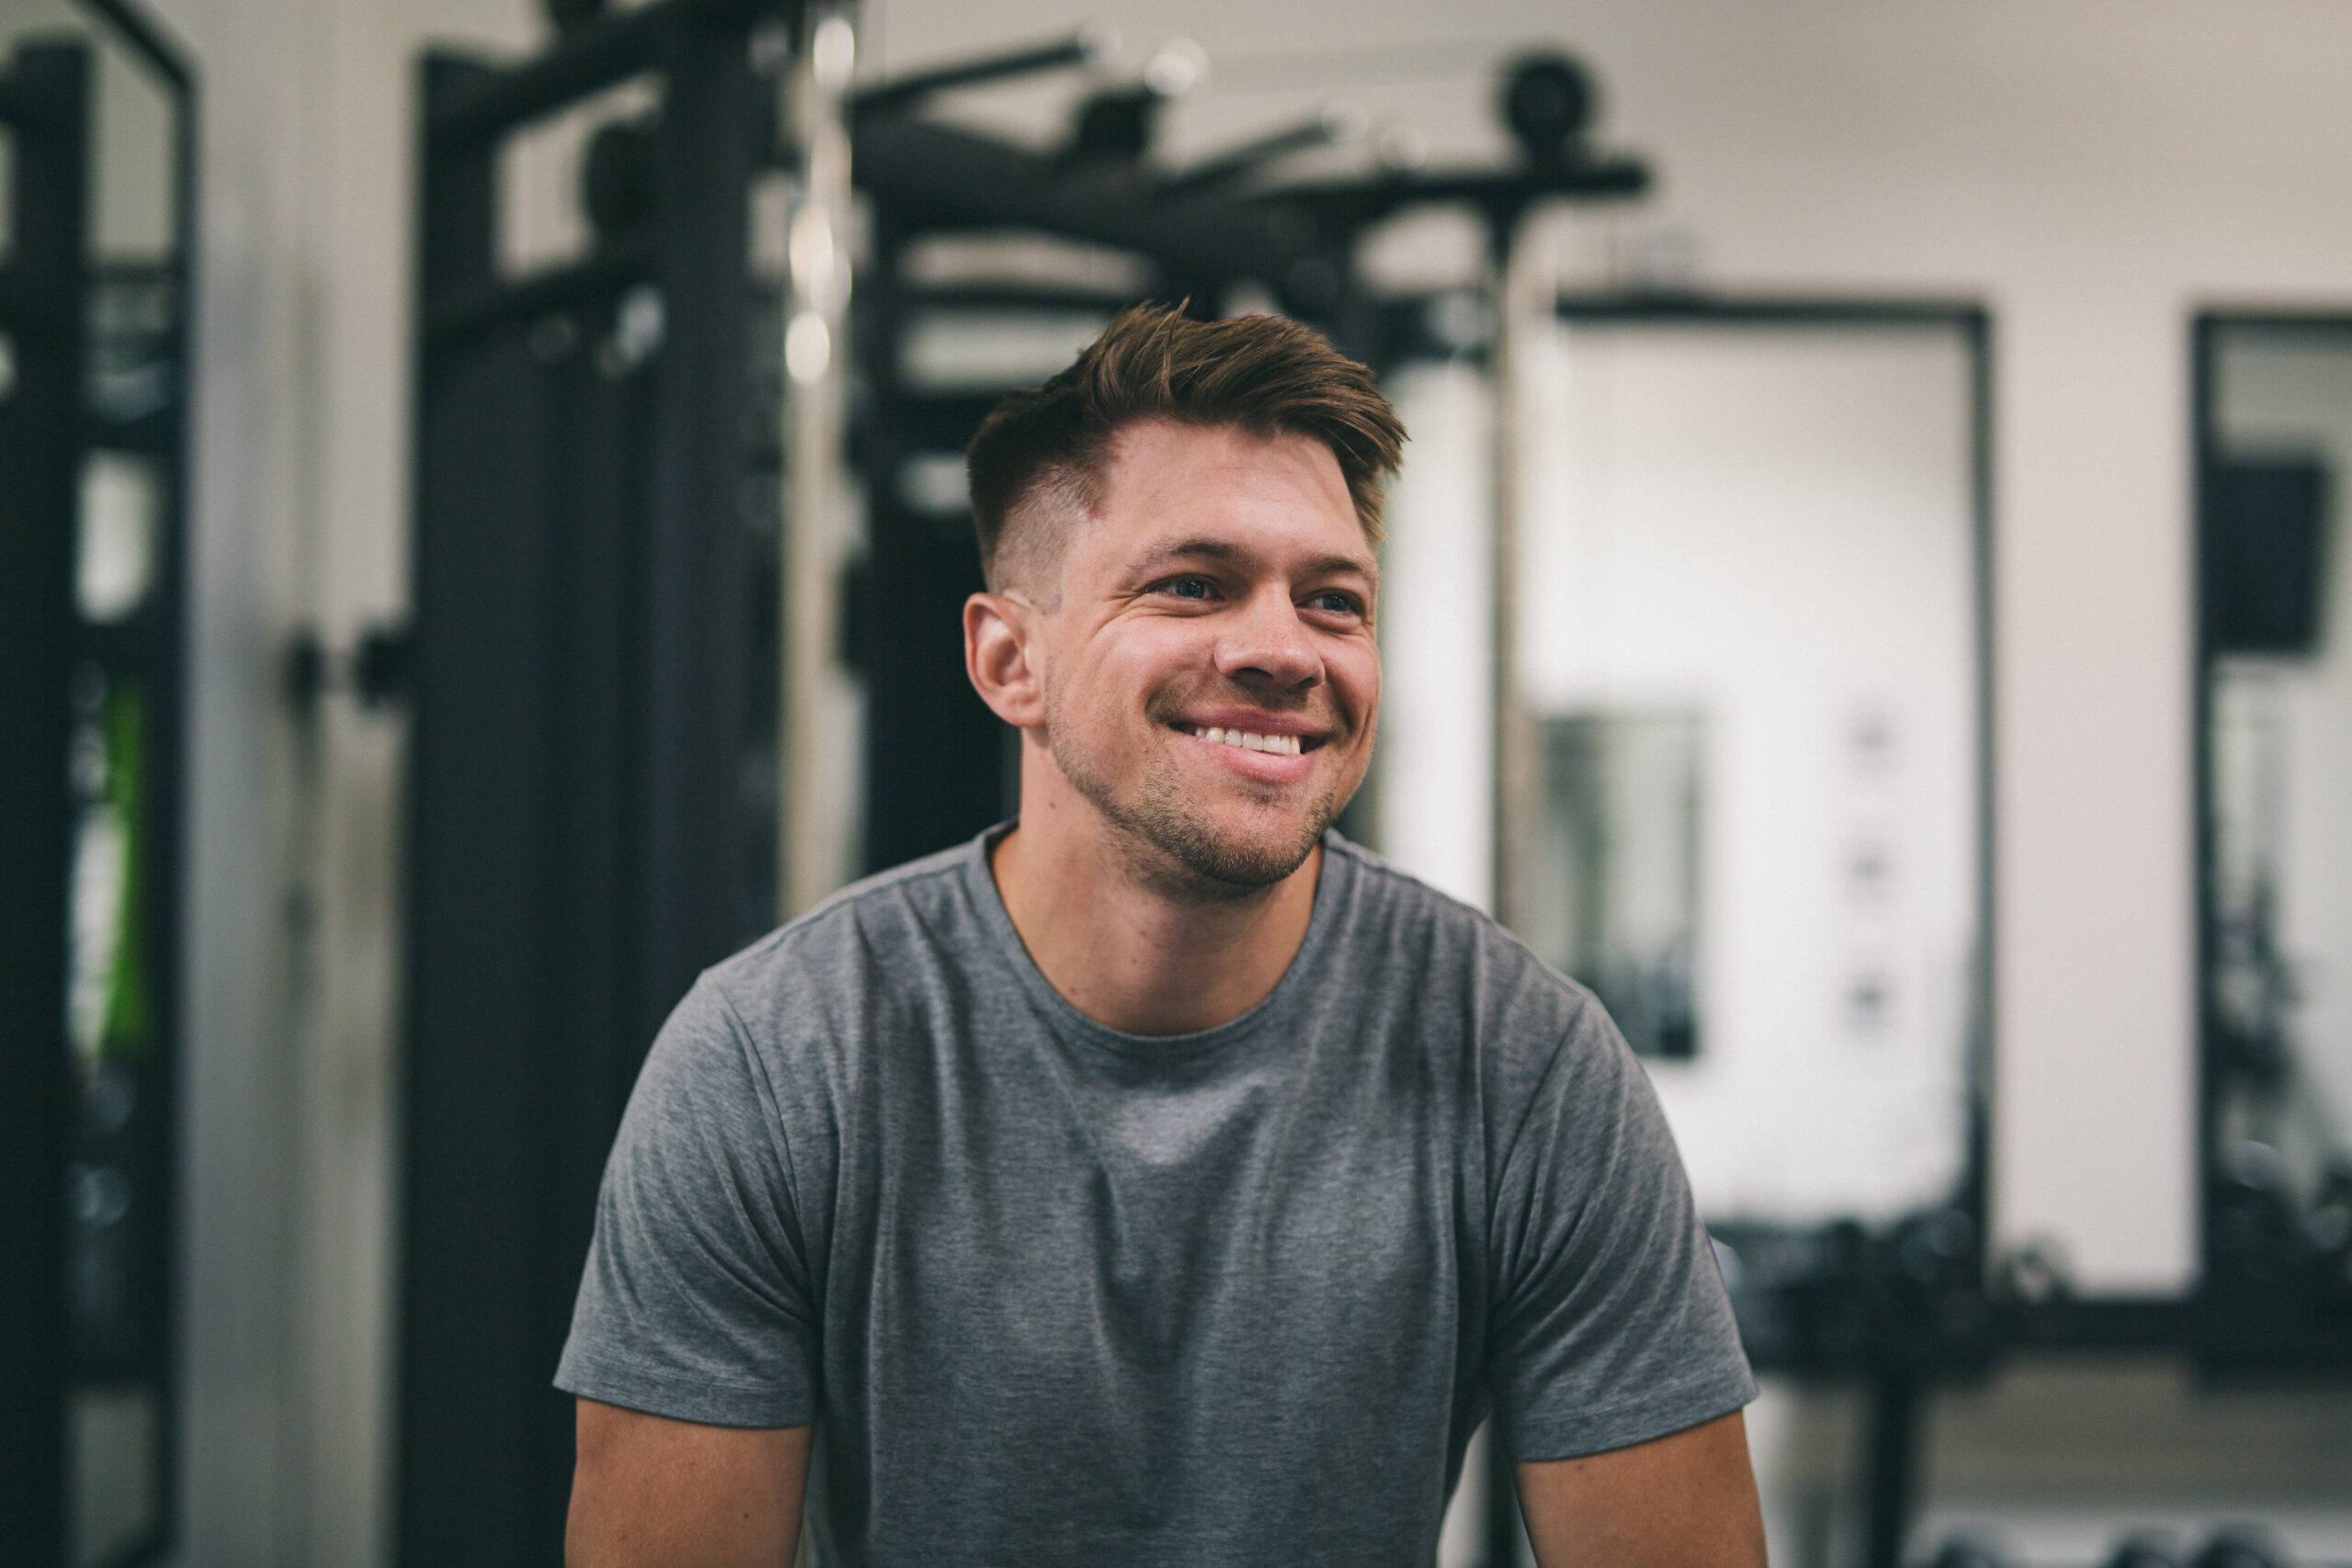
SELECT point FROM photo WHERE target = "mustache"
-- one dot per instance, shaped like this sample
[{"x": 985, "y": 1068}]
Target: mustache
[{"x": 1167, "y": 708}]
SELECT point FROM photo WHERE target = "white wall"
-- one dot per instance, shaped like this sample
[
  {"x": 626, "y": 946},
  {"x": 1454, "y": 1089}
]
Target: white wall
[{"x": 1435, "y": 789}]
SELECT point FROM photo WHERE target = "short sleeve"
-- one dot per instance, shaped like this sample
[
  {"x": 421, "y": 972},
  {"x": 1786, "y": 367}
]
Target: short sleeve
[
  {"x": 695, "y": 1303},
  {"x": 1610, "y": 1325}
]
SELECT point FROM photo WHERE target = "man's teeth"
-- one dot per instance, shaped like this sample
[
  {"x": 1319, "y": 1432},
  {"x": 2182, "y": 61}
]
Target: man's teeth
[{"x": 1281, "y": 745}]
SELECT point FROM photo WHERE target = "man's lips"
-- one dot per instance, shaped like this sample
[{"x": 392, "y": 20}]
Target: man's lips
[
  {"x": 1269, "y": 748},
  {"x": 1266, "y": 734}
]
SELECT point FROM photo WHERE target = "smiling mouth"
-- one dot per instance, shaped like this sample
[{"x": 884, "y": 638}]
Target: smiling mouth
[{"x": 1247, "y": 740}]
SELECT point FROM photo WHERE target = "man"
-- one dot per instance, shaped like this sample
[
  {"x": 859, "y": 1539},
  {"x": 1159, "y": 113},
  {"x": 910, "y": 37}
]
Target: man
[{"x": 1160, "y": 1179}]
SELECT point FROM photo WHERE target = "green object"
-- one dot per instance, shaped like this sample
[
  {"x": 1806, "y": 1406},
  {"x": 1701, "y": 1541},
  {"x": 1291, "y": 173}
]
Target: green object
[{"x": 129, "y": 1027}]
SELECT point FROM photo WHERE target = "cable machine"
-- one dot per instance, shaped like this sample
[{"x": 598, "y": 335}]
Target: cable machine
[{"x": 591, "y": 766}]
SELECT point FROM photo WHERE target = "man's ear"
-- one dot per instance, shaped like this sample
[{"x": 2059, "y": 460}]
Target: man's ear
[{"x": 1001, "y": 658}]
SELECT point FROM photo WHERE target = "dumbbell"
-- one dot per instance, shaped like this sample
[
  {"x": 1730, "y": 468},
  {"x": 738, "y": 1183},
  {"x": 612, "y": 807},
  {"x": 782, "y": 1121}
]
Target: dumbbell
[
  {"x": 1966, "y": 1551},
  {"x": 2240, "y": 1546},
  {"x": 2143, "y": 1551}
]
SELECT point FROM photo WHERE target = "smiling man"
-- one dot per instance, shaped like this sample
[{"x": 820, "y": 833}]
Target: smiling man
[{"x": 1159, "y": 1179}]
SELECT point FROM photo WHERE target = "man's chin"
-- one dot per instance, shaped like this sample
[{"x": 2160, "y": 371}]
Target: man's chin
[
  {"x": 1242, "y": 867},
  {"x": 1205, "y": 859}
]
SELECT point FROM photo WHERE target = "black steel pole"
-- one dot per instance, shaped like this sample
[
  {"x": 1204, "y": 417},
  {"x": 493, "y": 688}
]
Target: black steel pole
[
  {"x": 457, "y": 206},
  {"x": 696, "y": 588},
  {"x": 1503, "y": 1527},
  {"x": 1891, "y": 1465},
  {"x": 40, "y": 449},
  {"x": 469, "y": 785}
]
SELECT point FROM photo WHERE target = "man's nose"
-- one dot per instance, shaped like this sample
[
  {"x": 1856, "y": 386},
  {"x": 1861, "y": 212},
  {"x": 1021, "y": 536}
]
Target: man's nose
[{"x": 1268, "y": 644}]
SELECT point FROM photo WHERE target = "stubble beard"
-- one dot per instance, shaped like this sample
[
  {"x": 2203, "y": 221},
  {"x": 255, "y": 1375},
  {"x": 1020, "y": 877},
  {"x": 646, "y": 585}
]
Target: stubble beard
[{"x": 1171, "y": 843}]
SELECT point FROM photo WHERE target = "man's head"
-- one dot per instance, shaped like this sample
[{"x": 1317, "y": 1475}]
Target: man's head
[{"x": 1180, "y": 533}]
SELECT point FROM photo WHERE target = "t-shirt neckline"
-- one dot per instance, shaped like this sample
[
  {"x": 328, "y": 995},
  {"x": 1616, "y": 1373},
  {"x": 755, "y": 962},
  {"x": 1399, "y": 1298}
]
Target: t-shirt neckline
[{"x": 1330, "y": 888}]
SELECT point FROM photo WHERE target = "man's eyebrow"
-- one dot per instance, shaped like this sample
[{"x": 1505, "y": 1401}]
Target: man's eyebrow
[
  {"x": 1190, "y": 549},
  {"x": 1226, "y": 550},
  {"x": 1330, "y": 565}
]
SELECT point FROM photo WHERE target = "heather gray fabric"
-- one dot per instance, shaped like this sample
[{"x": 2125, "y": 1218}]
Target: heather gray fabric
[{"x": 1063, "y": 1295}]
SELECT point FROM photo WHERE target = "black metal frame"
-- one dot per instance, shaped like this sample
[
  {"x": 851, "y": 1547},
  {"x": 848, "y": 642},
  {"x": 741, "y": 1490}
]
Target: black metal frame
[
  {"x": 934, "y": 773},
  {"x": 588, "y": 584},
  {"x": 44, "y": 103},
  {"x": 160, "y": 640},
  {"x": 45, "y": 292},
  {"x": 2252, "y": 1316}
]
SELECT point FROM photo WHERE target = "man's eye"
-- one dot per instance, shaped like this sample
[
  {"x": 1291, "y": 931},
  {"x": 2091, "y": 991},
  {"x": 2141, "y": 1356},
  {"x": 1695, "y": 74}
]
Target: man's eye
[
  {"x": 1336, "y": 603},
  {"x": 1187, "y": 587}
]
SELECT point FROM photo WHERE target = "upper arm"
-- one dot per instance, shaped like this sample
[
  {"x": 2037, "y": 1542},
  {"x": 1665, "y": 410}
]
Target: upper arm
[
  {"x": 649, "y": 1489},
  {"x": 695, "y": 1299},
  {"x": 1609, "y": 1323},
  {"x": 1687, "y": 1500}
]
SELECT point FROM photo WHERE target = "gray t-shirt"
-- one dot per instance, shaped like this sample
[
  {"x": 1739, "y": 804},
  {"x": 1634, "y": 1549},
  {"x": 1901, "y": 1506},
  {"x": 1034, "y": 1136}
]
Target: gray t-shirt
[{"x": 1064, "y": 1295}]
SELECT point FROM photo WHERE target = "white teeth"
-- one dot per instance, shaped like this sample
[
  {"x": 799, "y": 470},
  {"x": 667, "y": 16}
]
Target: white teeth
[{"x": 1279, "y": 745}]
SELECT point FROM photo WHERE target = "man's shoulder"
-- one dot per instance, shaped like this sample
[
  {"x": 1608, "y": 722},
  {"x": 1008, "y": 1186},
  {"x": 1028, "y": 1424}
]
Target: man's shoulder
[
  {"x": 881, "y": 923},
  {"x": 1402, "y": 892},
  {"x": 1467, "y": 1002},
  {"x": 1412, "y": 934}
]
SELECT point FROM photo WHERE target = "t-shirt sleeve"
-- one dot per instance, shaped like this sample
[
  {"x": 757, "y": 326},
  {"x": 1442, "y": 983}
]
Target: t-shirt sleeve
[
  {"x": 1610, "y": 1325},
  {"x": 695, "y": 1303}
]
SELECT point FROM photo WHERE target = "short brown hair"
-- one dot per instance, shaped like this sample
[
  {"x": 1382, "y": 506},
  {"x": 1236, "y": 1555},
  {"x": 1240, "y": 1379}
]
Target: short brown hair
[{"x": 1261, "y": 374}]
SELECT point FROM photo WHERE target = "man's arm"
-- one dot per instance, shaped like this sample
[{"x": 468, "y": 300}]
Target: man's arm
[
  {"x": 1687, "y": 1500},
  {"x": 648, "y": 1490}
]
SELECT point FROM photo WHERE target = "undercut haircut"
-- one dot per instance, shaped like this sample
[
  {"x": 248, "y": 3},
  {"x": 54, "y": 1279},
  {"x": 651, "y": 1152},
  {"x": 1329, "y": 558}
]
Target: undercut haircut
[{"x": 1040, "y": 460}]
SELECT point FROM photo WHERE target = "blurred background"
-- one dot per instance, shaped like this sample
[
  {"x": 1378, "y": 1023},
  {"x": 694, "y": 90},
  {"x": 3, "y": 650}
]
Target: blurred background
[{"x": 484, "y": 531}]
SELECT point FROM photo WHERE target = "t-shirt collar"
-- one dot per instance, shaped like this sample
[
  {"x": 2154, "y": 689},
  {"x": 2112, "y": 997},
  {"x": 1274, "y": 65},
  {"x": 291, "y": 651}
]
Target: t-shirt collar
[{"x": 1331, "y": 888}]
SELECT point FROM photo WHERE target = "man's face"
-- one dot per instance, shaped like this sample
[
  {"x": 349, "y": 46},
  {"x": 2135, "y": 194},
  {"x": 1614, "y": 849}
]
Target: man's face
[{"x": 1209, "y": 678}]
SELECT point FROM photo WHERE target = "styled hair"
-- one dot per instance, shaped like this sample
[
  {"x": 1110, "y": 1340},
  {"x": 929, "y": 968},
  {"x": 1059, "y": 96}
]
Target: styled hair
[{"x": 1048, "y": 449}]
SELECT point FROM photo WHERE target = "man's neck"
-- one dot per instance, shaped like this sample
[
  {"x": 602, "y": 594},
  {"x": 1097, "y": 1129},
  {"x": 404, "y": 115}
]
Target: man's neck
[{"x": 1132, "y": 957}]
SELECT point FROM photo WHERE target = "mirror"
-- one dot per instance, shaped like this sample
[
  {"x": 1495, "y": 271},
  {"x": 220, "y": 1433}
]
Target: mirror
[
  {"x": 1751, "y": 664},
  {"x": 2275, "y": 593},
  {"x": 91, "y": 373},
  {"x": 1750, "y": 640}
]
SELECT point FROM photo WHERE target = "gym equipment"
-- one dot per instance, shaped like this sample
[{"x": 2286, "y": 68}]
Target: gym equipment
[
  {"x": 1970, "y": 1550},
  {"x": 2143, "y": 1551},
  {"x": 93, "y": 371},
  {"x": 593, "y": 673},
  {"x": 2240, "y": 1546}
]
